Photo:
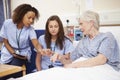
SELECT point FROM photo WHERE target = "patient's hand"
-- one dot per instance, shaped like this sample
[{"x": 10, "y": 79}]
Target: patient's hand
[{"x": 64, "y": 60}]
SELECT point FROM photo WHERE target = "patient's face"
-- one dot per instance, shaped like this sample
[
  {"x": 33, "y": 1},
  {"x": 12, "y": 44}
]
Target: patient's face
[{"x": 85, "y": 27}]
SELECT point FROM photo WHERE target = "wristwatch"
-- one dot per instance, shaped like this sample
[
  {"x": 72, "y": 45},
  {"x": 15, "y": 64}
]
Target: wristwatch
[{"x": 17, "y": 52}]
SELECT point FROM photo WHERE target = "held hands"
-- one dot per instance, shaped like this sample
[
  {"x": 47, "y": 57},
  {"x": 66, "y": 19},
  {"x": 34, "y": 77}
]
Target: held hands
[
  {"x": 64, "y": 60},
  {"x": 47, "y": 52},
  {"x": 55, "y": 56}
]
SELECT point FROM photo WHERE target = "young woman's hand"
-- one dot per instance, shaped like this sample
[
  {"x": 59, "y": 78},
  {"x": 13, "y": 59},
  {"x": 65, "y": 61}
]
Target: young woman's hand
[
  {"x": 19, "y": 56},
  {"x": 46, "y": 52},
  {"x": 54, "y": 57}
]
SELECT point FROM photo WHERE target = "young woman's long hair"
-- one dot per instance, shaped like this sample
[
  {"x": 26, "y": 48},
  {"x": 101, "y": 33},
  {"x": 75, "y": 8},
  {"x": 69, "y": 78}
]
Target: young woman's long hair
[{"x": 60, "y": 36}]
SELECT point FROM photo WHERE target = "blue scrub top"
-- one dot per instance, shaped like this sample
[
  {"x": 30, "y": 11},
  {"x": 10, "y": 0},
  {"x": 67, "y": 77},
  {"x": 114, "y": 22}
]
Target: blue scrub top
[
  {"x": 10, "y": 32},
  {"x": 67, "y": 48}
]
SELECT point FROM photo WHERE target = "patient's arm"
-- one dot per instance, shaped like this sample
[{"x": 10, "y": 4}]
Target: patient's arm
[{"x": 98, "y": 60}]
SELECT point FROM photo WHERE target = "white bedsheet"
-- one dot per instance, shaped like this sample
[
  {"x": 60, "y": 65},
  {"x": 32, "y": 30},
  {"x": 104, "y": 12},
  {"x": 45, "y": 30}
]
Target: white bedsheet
[{"x": 103, "y": 72}]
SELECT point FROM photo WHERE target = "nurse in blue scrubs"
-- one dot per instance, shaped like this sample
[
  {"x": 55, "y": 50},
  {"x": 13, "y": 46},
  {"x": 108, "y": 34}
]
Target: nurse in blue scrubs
[
  {"x": 17, "y": 33},
  {"x": 54, "y": 42}
]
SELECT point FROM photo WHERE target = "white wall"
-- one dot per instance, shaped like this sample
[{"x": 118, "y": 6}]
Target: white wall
[
  {"x": 109, "y": 10},
  {"x": 99, "y": 5},
  {"x": 71, "y": 9},
  {"x": 65, "y": 9}
]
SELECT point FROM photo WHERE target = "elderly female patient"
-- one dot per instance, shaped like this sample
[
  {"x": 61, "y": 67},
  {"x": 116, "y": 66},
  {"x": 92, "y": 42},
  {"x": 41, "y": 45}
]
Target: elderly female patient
[{"x": 98, "y": 48}]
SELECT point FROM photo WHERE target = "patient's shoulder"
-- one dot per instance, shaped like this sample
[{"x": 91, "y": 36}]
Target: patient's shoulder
[{"x": 108, "y": 35}]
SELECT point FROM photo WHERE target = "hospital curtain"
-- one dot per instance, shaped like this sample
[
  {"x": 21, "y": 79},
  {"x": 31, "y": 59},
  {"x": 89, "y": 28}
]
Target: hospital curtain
[{"x": 5, "y": 11}]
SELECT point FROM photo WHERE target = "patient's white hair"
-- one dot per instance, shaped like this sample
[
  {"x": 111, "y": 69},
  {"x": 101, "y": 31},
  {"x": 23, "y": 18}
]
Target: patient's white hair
[{"x": 90, "y": 15}]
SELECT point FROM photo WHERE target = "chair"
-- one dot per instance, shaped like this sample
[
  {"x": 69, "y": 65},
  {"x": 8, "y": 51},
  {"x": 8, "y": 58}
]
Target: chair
[
  {"x": 31, "y": 65},
  {"x": 23, "y": 69}
]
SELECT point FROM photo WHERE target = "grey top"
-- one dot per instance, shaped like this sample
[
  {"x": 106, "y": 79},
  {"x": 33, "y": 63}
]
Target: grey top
[{"x": 103, "y": 43}]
